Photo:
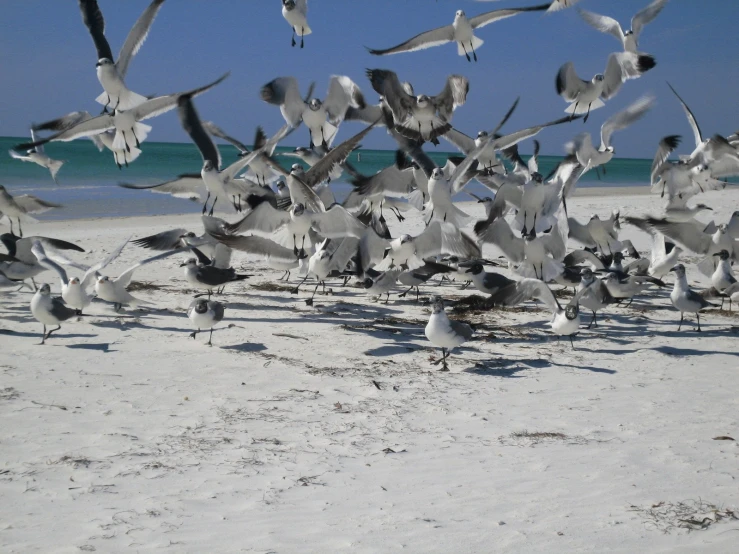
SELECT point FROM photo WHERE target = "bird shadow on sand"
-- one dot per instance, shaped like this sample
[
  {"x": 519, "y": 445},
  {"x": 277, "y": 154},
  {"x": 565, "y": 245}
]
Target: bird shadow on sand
[
  {"x": 56, "y": 335},
  {"x": 393, "y": 349},
  {"x": 246, "y": 347},
  {"x": 101, "y": 347},
  {"x": 673, "y": 351},
  {"x": 505, "y": 368}
]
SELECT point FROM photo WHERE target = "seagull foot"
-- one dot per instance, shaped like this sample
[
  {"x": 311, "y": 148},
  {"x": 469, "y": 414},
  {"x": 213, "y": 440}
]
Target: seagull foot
[
  {"x": 308, "y": 301},
  {"x": 192, "y": 335}
]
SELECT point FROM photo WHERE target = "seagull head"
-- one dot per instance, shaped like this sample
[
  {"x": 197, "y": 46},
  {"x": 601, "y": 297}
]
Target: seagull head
[
  {"x": 571, "y": 311},
  {"x": 280, "y": 186},
  {"x": 191, "y": 262},
  {"x": 437, "y": 173},
  {"x": 422, "y": 100},
  {"x": 315, "y": 104},
  {"x": 367, "y": 283},
  {"x": 618, "y": 257},
  {"x": 297, "y": 169},
  {"x": 45, "y": 290},
  {"x": 208, "y": 165},
  {"x": 485, "y": 200},
  {"x": 103, "y": 279},
  {"x": 476, "y": 269},
  {"x": 301, "y": 150},
  {"x": 74, "y": 281},
  {"x": 679, "y": 270},
  {"x": 298, "y": 209},
  {"x": 586, "y": 275},
  {"x": 598, "y": 78},
  {"x": 628, "y": 33},
  {"x": 459, "y": 14},
  {"x": 405, "y": 238},
  {"x": 724, "y": 254},
  {"x": 538, "y": 177},
  {"x": 482, "y": 134},
  {"x": 438, "y": 303},
  {"x": 594, "y": 217},
  {"x": 201, "y": 305},
  {"x": 103, "y": 62}
]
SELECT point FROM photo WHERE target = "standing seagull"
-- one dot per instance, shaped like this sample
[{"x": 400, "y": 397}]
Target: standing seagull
[
  {"x": 585, "y": 96},
  {"x": 295, "y": 13},
  {"x": 446, "y": 333},
  {"x": 39, "y": 157},
  {"x": 201, "y": 272},
  {"x": 19, "y": 207},
  {"x": 49, "y": 310},
  {"x": 110, "y": 74},
  {"x": 685, "y": 299},
  {"x": 629, "y": 39},
  {"x": 460, "y": 31},
  {"x": 205, "y": 313}
]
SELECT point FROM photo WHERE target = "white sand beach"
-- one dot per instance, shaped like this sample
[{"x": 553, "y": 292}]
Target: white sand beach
[{"x": 327, "y": 428}]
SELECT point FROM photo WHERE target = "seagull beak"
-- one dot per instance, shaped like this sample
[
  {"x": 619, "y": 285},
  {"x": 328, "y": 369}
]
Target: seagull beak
[
  {"x": 468, "y": 270},
  {"x": 183, "y": 265},
  {"x": 673, "y": 269},
  {"x": 97, "y": 64},
  {"x": 717, "y": 254},
  {"x": 707, "y": 208}
]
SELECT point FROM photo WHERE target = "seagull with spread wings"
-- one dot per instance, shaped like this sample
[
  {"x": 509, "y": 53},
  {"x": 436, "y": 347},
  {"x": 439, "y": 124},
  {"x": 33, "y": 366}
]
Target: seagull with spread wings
[
  {"x": 630, "y": 38},
  {"x": 112, "y": 74}
]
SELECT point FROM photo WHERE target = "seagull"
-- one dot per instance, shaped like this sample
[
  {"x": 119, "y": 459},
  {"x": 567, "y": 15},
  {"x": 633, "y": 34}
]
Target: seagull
[
  {"x": 558, "y": 5},
  {"x": 121, "y": 156},
  {"x": 588, "y": 156},
  {"x": 24, "y": 264},
  {"x": 205, "y": 313},
  {"x": 685, "y": 299},
  {"x": 74, "y": 290},
  {"x": 114, "y": 290},
  {"x": 321, "y": 117},
  {"x": 8, "y": 283},
  {"x": 585, "y": 96},
  {"x": 19, "y": 207},
  {"x": 262, "y": 167},
  {"x": 201, "y": 272},
  {"x": 594, "y": 294},
  {"x": 421, "y": 118},
  {"x": 275, "y": 255},
  {"x": 377, "y": 284},
  {"x": 39, "y": 157},
  {"x": 628, "y": 39},
  {"x": 110, "y": 74},
  {"x": 626, "y": 287},
  {"x": 445, "y": 333},
  {"x": 723, "y": 278},
  {"x": 295, "y": 13},
  {"x": 124, "y": 121},
  {"x": 49, "y": 310},
  {"x": 460, "y": 31},
  {"x": 487, "y": 282},
  {"x": 311, "y": 157},
  {"x": 414, "y": 278},
  {"x": 330, "y": 256},
  {"x": 565, "y": 321}
]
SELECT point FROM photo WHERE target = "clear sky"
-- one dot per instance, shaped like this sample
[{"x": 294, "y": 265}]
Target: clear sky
[{"x": 47, "y": 62}]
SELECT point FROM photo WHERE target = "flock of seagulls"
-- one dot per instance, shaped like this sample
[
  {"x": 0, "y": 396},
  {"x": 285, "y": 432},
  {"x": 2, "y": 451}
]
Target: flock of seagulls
[{"x": 292, "y": 221}]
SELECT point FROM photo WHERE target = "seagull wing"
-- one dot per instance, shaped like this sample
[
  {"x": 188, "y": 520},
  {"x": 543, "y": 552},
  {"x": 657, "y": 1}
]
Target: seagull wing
[
  {"x": 501, "y": 235},
  {"x": 568, "y": 84},
  {"x": 614, "y": 76},
  {"x": 216, "y": 131},
  {"x": 369, "y": 114},
  {"x": 624, "y": 118},
  {"x": 527, "y": 289},
  {"x": 343, "y": 93},
  {"x": 579, "y": 257},
  {"x": 506, "y": 141},
  {"x": 686, "y": 234},
  {"x": 136, "y": 37},
  {"x": 336, "y": 156},
  {"x": 452, "y": 96},
  {"x": 258, "y": 246},
  {"x": 188, "y": 185},
  {"x": 584, "y": 148},
  {"x": 40, "y": 253},
  {"x": 166, "y": 240},
  {"x": 34, "y": 205},
  {"x": 603, "y": 23},
  {"x": 90, "y": 273},
  {"x": 464, "y": 143},
  {"x": 64, "y": 122},
  {"x": 386, "y": 84},
  {"x": 336, "y": 222},
  {"x": 666, "y": 146},
  {"x": 691, "y": 119},
  {"x": 125, "y": 278},
  {"x": 427, "y": 39},
  {"x": 193, "y": 127},
  {"x": 265, "y": 218},
  {"x": 51, "y": 246},
  {"x": 235, "y": 168},
  {"x": 646, "y": 15},
  {"x": 496, "y": 15},
  {"x": 86, "y": 128},
  {"x": 92, "y": 17},
  {"x": 533, "y": 164},
  {"x": 506, "y": 117},
  {"x": 284, "y": 92}
]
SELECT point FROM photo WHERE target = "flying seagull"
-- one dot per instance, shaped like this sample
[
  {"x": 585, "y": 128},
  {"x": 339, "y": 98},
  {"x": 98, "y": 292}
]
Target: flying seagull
[
  {"x": 629, "y": 39},
  {"x": 112, "y": 74},
  {"x": 19, "y": 207},
  {"x": 460, "y": 31},
  {"x": 295, "y": 13},
  {"x": 585, "y": 96},
  {"x": 39, "y": 157}
]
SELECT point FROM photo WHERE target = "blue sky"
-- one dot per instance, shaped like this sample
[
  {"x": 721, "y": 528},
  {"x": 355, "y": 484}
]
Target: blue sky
[{"x": 48, "y": 62}]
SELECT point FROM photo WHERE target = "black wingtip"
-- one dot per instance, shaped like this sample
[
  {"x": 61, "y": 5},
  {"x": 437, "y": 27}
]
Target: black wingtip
[
  {"x": 673, "y": 141},
  {"x": 645, "y": 63}
]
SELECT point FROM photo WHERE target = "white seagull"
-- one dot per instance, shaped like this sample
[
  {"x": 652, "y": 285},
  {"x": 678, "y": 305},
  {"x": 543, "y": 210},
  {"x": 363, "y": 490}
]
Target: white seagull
[
  {"x": 39, "y": 157},
  {"x": 585, "y": 96},
  {"x": 445, "y": 333},
  {"x": 49, "y": 310},
  {"x": 111, "y": 74},
  {"x": 205, "y": 314},
  {"x": 460, "y": 31},
  {"x": 628, "y": 39},
  {"x": 686, "y": 299},
  {"x": 295, "y": 13},
  {"x": 19, "y": 207}
]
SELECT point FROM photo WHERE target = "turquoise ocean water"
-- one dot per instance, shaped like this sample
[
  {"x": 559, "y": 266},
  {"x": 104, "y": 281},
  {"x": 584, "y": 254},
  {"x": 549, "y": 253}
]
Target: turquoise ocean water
[{"x": 88, "y": 180}]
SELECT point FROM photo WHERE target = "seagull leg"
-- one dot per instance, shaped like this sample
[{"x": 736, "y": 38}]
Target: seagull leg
[
  {"x": 402, "y": 294},
  {"x": 210, "y": 338},
  {"x": 105, "y": 108},
  {"x": 681, "y": 321},
  {"x": 302, "y": 249},
  {"x": 205, "y": 206},
  {"x": 135, "y": 137},
  {"x": 43, "y": 337},
  {"x": 302, "y": 31},
  {"x": 293, "y": 38},
  {"x": 697, "y": 315},
  {"x": 465, "y": 52},
  {"x": 323, "y": 290},
  {"x": 387, "y": 297},
  {"x": 295, "y": 247},
  {"x": 295, "y": 290},
  {"x": 52, "y": 330},
  {"x": 572, "y": 116},
  {"x": 192, "y": 335},
  {"x": 323, "y": 137},
  {"x": 572, "y": 344},
  {"x": 309, "y": 301},
  {"x": 212, "y": 207},
  {"x": 587, "y": 115},
  {"x": 593, "y": 321},
  {"x": 20, "y": 229},
  {"x": 128, "y": 148},
  {"x": 11, "y": 225},
  {"x": 418, "y": 292},
  {"x": 444, "y": 356},
  {"x": 474, "y": 54}
]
